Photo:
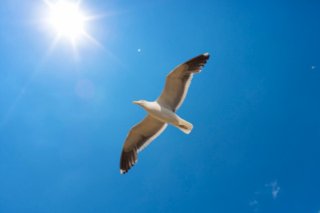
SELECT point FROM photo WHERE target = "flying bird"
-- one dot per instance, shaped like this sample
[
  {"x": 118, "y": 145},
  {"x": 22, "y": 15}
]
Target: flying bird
[{"x": 162, "y": 111}]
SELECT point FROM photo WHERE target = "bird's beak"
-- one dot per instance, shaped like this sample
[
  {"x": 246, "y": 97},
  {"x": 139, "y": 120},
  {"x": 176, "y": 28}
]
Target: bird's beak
[{"x": 135, "y": 102}]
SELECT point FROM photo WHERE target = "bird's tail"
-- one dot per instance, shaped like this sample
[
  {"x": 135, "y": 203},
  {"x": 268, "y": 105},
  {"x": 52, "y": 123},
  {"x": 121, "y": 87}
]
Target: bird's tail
[{"x": 185, "y": 126}]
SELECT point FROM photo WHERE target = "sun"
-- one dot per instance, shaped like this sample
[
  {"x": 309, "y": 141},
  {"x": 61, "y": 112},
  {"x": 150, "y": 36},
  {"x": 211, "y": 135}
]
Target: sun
[{"x": 67, "y": 20}]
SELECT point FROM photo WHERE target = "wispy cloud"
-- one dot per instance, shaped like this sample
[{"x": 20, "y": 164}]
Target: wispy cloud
[
  {"x": 268, "y": 191},
  {"x": 254, "y": 204},
  {"x": 275, "y": 188}
]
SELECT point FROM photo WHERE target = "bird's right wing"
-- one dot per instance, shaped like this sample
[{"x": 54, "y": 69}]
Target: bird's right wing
[{"x": 140, "y": 136}]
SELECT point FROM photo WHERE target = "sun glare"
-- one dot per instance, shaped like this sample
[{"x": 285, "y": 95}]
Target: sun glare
[{"x": 67, "y": 19}]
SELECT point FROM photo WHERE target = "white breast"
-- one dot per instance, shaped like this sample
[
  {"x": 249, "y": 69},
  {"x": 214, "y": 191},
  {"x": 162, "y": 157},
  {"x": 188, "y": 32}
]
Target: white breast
[{"x": 162, "y": 113}]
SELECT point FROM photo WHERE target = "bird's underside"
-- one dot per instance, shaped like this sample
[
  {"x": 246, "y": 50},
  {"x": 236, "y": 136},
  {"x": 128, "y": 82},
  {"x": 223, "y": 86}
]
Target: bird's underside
[{"x": 171, "y": 98}]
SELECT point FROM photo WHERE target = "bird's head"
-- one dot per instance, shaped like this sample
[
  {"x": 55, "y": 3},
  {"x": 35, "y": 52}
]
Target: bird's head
[{"x": 140, "y": 102}]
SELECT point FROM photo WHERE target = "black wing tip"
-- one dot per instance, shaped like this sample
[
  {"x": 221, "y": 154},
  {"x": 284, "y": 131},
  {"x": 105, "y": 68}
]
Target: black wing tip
[
  {"x": 197, "y": 63},
  {"x": 200, "y": 58},
  {"x": 128, "y": 160},
  {"x": 206, "y": 55}
]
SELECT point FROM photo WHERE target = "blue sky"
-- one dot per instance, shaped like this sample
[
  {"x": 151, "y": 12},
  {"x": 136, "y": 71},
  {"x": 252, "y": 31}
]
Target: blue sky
[{"x": 255, "y": 146}]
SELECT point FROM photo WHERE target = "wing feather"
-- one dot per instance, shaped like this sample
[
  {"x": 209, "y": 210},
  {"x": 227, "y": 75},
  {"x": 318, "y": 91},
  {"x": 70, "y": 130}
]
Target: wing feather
[
  {"x": 139, "y": 137},
  {"x": 178, "y": 82}
]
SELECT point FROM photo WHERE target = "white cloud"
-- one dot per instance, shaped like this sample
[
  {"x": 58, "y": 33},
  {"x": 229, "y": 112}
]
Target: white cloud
[
  {"x": 275, "y": 188},
  {"x": 261, "y": 195}
]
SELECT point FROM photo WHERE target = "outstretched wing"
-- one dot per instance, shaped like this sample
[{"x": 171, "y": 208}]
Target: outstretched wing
[
  {"x": 140, "y": 136},
  {"x": 178, "y": 82}
]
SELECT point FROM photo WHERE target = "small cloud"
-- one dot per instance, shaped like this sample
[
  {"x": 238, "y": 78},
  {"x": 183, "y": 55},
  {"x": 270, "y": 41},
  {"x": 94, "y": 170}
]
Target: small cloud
[
  {"x": 139, "y": 50},
  {"x": 253, "y": 203},
  {"x": 275, "y": 188},
  {"x": 262, "y": 195}
]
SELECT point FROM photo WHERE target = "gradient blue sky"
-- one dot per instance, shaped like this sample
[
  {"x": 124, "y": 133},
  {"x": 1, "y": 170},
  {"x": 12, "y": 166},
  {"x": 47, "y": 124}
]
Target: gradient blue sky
[{"x": 255, "y": 146}]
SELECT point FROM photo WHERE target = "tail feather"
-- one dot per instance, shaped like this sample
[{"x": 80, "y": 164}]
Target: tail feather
[{"x": 185, "y": 126}]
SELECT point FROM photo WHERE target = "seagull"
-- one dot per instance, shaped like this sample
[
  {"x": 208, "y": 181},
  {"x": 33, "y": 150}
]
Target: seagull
[{"x": 161, "y": 112}]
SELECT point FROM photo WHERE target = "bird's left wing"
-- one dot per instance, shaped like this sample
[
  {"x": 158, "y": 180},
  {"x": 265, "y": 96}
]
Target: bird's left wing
[
  {"x": 140, "y": 136},
  {"x": 178, "y": 82}
]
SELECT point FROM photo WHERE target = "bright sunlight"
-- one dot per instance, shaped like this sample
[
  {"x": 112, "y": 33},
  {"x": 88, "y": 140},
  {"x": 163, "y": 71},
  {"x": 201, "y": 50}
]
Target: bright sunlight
[{"x": 68, "y": 21}]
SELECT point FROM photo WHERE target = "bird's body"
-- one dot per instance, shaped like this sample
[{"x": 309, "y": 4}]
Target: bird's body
[
  {"x": 161, "y": 112},
  {"x": 166, "y": 115}
]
